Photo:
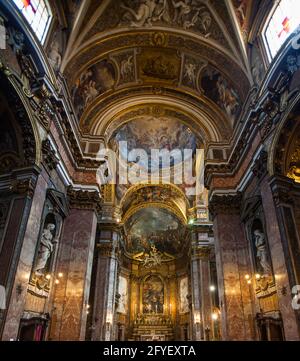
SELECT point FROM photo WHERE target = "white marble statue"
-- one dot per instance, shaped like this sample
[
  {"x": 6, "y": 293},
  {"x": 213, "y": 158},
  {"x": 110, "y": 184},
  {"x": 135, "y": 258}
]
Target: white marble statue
[
  {"x": 45, "y": 250},
  {"x": 262, "y": 251}
]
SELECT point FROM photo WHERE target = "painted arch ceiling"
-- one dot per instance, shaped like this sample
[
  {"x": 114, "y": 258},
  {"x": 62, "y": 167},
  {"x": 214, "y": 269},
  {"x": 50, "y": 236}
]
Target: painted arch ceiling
[{"x": 169, "y": 73}]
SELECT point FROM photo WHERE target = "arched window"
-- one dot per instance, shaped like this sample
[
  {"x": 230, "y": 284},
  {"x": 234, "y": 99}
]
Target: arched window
[
  {"x": 283, "y": 21},
  {"x": 38, "y": 15}
]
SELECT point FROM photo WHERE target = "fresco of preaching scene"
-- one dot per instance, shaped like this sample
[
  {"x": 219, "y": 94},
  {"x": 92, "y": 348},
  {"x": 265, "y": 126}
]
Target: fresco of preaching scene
[{"x": 156, "y": 227}]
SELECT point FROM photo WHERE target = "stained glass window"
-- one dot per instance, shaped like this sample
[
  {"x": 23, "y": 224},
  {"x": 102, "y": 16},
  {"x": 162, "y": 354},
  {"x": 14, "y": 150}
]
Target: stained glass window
[
  {"x": 283, "y": 22},
  {"x": 38, "y": 15}
]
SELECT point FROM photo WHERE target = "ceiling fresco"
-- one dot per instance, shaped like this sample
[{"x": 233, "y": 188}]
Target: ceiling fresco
[
  {"x": 154, "y": 227},
  {"x": 150, "y": 132},
  {"x": 91, "y": 83},
  {"x": 218, "y": 89},
  {"x": 190, "y": 15}
]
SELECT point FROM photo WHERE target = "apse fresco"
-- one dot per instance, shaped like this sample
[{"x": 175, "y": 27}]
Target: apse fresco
[
  {"x": 91, "y": 83},
  {"x": 151, "y": 132},
  {"x": 153, "y": 295},
  {"x": 154, "y": 227}
]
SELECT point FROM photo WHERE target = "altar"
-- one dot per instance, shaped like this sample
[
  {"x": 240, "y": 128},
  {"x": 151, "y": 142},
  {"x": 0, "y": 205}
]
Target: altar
[{"x": 153, "y": 327}]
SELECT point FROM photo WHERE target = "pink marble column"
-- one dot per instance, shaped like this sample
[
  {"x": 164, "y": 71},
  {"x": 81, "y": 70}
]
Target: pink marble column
[
  {"x": 233, "y": 263},
  {"x": 68, "y": 318},
  {"x": 22, "y": 234},
  {"x": 105, "y": 292},
  {"x": 278, "y": 239}
]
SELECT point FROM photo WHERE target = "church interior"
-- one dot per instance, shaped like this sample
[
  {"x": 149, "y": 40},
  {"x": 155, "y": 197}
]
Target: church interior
[{"x": 102, "y": 238}]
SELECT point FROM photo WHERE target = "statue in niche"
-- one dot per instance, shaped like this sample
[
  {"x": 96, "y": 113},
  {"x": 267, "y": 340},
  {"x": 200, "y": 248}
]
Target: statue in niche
[
  {"x": 262, "y": 251},
  {"x": 45, "y": 249}
]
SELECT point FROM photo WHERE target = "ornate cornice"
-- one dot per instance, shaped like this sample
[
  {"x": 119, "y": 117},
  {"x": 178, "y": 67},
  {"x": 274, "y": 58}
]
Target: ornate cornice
[
  {"x": 82, "y": 199},
  {"x": 225, "y": 204},
  {"x": 49, "y": 156},
  {"x": 24, "y": 187},
  {"x": 202, "y": 252},
  {"x": 106, "y": 249},
  {"x": 284, "y": 190}
]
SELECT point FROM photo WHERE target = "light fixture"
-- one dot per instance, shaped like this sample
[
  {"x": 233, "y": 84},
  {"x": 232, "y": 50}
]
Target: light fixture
[
  {"x": 60, "y": 274},
  {"x": 258, "y": 276},
  {"x": 87, "y": 306},
  {"x": 212, "y": 288},
  {"x": 214, "y": 316},
  {"x": 56, "y": 281},
  {"x": 249, "y": 282},
  {"x": 48, "y": 276},
  {"x": 191, "y": 221},
  {"x": 247, "y": 277}
]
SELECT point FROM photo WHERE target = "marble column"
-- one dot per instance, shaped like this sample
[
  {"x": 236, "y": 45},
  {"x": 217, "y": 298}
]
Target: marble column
[
  {"x": 197, "y": 324},
  {"x": 206, "y": 308},
  {"x": 201, "y": 297},
  {"x": 75, "y": 258},
  {"x": 233, "y": 263},
  {"x": 278, "y": 199},
  {"x": 27, "y": 194},
  {"x": 105, "y": 289}
]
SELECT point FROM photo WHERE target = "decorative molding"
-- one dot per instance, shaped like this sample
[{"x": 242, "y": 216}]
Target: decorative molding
[
  {"x": 24, "y": 187},
  {"x": 81, "y": 199},
  {"x": 283, "y": 189},
  {"x": 260, "y": 168},
  {"x": 225, "y": 204},
  {"x": 202, "y": 252},
  {"x": 49, "y": 157},
  {"x": 106, "y": 249}
]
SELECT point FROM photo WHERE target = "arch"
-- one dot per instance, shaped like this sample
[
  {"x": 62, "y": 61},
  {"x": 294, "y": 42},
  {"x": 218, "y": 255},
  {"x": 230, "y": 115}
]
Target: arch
[
  {"x": 285, "y": 138},
  {"x": 200, "y": 119},
  {"x": 128, "y": 207},
  {"x": 19, "y": 108}
]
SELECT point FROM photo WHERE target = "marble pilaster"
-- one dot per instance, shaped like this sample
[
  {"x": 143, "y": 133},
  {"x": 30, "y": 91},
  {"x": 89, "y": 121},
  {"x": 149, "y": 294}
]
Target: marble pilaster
[
  {"x": 70, "y": 301},
  {"x": 233, "y": 263},
  {"x": 105, "y": 292},
  {"x": 18, "y": 247},
  {"x": 274, "y": 199}
]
